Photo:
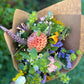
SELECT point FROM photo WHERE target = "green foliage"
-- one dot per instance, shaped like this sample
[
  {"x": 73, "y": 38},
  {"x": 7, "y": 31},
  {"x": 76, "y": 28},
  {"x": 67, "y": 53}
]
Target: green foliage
[
  {"x": 20, "y": 66},
  {"x": 78, "y": 52},
  {"x": 39, "y": 33},
  {"x": 32, "y": 18},
  {"x": 32, "y": 71},
  {"x": 63, "y": 77},
  {"x": 63, "y": 50},
  {"x": 54, "y": 48},
  {"x": 73, "y": 57},
  {"x": 3, "y": 47},
  {"x": 35, "y": 79},
  {"x": 60, "y": 28},
  {"x": 6, "y": 11},
  {"x": 33, "y": 53},
  {"x": 46, "y": 54},
  {"x": 57, "y": 64},
  {"x": 6, "y": 16},
  {"x": 24, "y": 55},
  {"x": 26, "y": 66}
]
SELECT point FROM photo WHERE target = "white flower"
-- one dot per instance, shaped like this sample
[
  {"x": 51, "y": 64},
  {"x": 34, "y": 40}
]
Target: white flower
[
  {"x": 31, "y": 61},
  {"x": 18, "y": 34},
  {"x": 37, "y": 57},
  {"x": 20, "y": 80},
  {"x": 22, "y": 31},
  {"x": 34, "y": 24},
  {"x": 28, "y": 50},
  {"x": 36, "y": 68},
  {"x": 40, "y": 55}
]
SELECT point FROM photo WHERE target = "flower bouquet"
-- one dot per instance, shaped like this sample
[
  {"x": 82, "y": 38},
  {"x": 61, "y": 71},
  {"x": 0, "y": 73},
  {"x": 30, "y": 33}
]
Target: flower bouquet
[
  {"x": 45, "y": 46},
  {"x": 40, "y": 52}
]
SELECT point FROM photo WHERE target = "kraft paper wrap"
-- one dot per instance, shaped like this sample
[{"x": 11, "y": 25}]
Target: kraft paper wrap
[{"x": 69, "y": 12}]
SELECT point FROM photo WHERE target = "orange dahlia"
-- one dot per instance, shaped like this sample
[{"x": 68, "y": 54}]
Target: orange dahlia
[{"x": 38, "y": 42}]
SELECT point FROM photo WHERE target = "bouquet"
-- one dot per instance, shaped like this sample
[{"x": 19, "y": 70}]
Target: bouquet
[{"x": 40, "y": 51}]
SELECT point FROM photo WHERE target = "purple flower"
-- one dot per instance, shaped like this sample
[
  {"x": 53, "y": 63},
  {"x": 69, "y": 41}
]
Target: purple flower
[
  {"x": 63, "y": 55},
  {"x": 58, "y": 44},
  {"x": 39, "y": 72},
  {"x": 68, "y": 61},
  {"x": 59, "y": 54},
  {"x": 71, "y": 51},
  {"x": 50, "y": 51},
  {"x": 68, "y": 64},
  {"x": 26, "y": 61},
  {"x": 44, "y": 79}
]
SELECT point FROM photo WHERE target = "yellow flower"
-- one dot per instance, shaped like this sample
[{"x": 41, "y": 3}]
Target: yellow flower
[
  {"x": 58, "y": 22},
  {"x": 54, "y": 37},
  {"x": 18, "y": 75}
]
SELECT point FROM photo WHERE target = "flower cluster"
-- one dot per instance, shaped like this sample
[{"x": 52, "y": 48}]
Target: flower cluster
[{"x": 43, "y": 56}]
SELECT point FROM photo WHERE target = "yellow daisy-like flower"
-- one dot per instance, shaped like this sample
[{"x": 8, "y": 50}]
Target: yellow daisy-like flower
[
  {"x": 18, "y": 75},
  {"x": 54, "y": 37},
  {"x": 58, "y": 22}
]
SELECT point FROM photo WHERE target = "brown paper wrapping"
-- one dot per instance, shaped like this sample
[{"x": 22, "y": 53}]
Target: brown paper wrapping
[{"x": 69, "y": 12}]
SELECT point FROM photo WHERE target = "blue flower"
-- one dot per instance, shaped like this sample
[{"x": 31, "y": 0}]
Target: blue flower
[
  {"x": 36, "y": 68},
  {"x": 68, "y": 64},
  {"x": 68, "y": 61},
  {"x": 58, "y": 44},
  {"x": 39, "y": 72},
  {"x": 59, "y": 55},
  {"x": 63, "y": 55},
  {"x": 44, "y": 79},
  {"x": 50, "y": 51},
  {"x": 25, "y": 60},
  {"x": 71, "y": 51}
]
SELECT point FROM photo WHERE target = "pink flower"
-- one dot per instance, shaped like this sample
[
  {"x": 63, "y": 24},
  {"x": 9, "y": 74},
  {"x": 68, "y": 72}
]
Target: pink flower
[
  {"x": 51, "y": 59},
  {"x": 51, "y": 67},
  {"x": 42, "y": 18}
]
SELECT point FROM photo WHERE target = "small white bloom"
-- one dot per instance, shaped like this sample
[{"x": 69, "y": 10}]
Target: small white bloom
[
  {"x": 36, "y": 68},
  {"x": 34, "y": 24},
  {"x": 21, "y": 80},
  {"x": 18, "y": 34},
  {"x": 31, "y": 61},
  {"x": 50, "y": 23},
  {"x": 22, "y": 31},
  {"x": 28, "y": 50},
  {"x": 37, "y": 57},
  {"x": 46, "y": 22},
  {"x": 40, "y": 55}
]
